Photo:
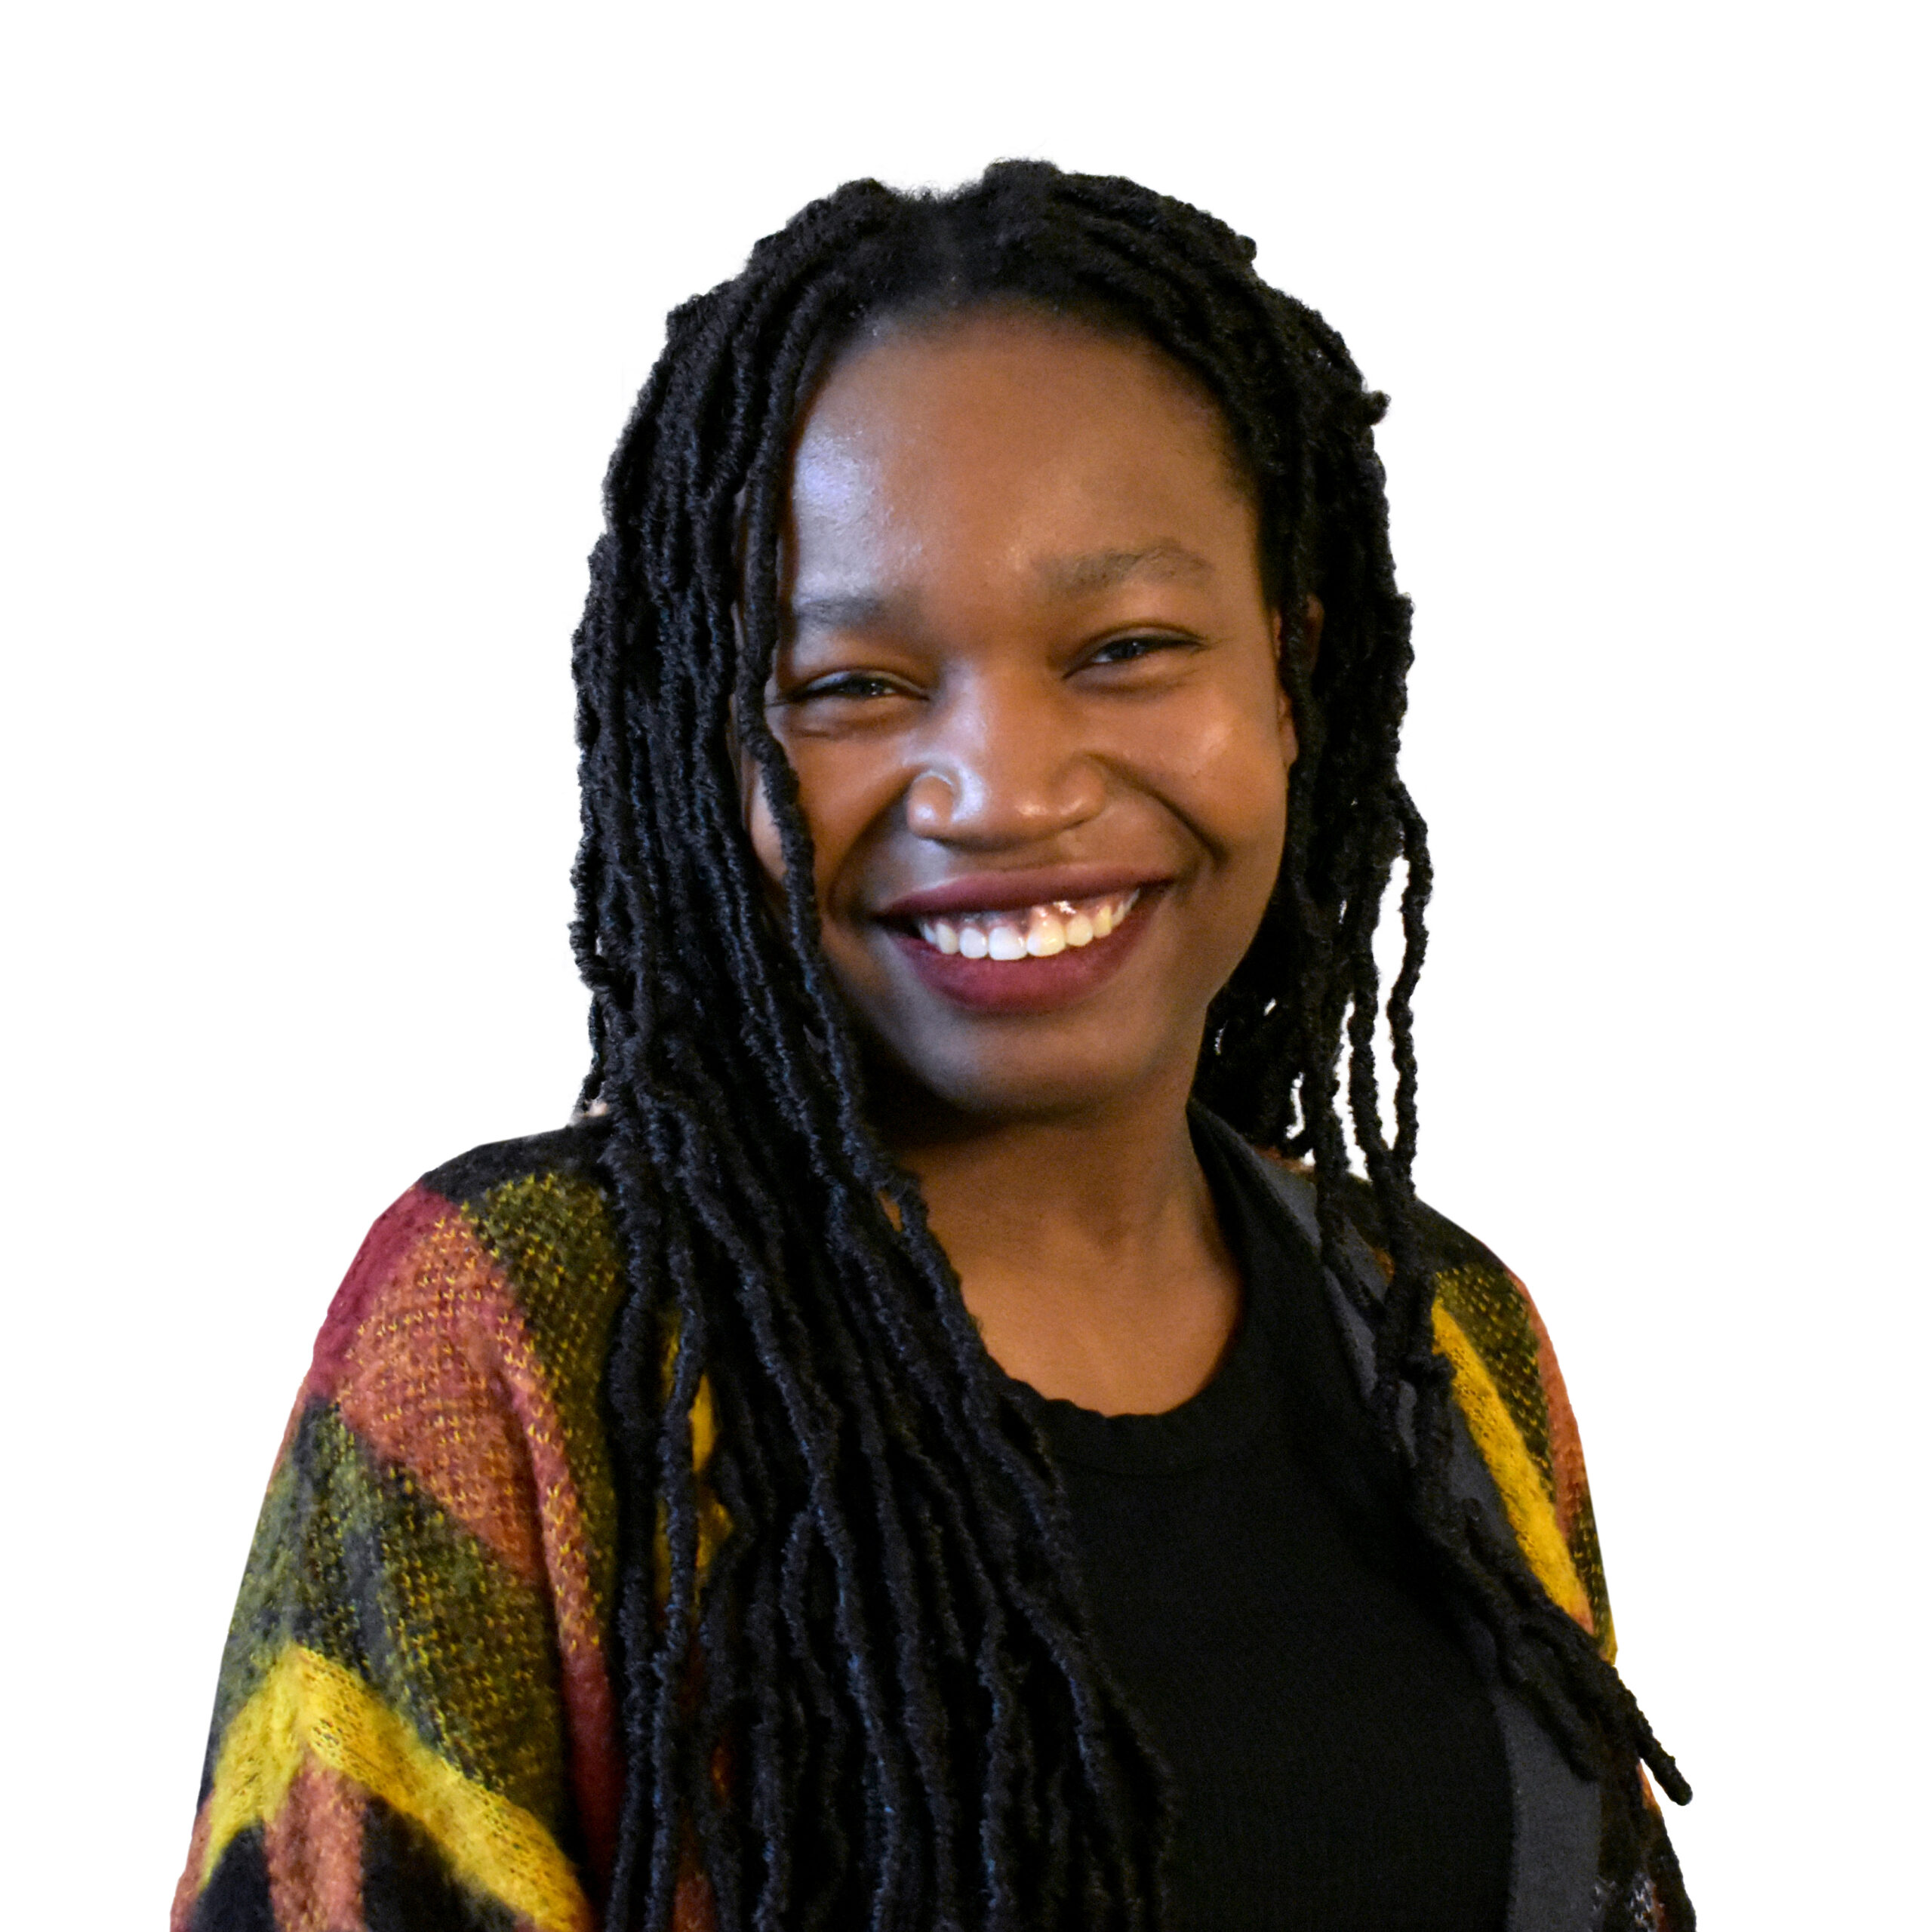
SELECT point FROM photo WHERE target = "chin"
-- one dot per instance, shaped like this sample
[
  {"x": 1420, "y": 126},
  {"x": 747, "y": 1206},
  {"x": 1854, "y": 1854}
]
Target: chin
[
  {"x": 1020, "y": 1082},
  {"x": 931, "y": 1059}
]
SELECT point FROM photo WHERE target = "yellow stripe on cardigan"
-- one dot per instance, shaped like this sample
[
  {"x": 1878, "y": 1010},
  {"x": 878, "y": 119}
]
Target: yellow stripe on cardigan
[
  {"x": 714, "y": 1520},
  {"x": 1526, "y": 1502},
  {"x": 308, "y": 1706}
]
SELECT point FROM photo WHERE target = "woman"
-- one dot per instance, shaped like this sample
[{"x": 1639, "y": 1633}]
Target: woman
[{"x": 903, "y": 1457}]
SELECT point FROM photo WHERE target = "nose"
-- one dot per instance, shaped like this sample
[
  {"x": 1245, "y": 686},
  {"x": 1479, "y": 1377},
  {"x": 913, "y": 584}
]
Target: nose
[{"x": 1003, "y": 763}]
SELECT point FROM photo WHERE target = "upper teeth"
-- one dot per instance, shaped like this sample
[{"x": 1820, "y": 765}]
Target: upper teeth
[{"x": 1037, "y": 932}]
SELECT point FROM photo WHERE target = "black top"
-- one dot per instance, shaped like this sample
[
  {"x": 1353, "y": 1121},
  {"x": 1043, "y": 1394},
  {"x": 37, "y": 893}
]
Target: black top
[{"x": 1335, "y": 1756}]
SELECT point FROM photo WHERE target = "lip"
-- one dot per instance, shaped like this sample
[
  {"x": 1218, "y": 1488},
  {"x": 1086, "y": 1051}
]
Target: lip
[
  {"x": 1019, "y": 985},
  {"x": 1010, "y": 892}
]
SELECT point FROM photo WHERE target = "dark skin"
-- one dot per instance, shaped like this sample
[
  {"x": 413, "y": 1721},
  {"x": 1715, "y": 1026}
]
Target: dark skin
[{"x": 1028, "y": 648}]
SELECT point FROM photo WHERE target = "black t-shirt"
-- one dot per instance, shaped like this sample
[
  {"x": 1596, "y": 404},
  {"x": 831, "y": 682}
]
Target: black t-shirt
[{"x": 1335, "y": 1757}]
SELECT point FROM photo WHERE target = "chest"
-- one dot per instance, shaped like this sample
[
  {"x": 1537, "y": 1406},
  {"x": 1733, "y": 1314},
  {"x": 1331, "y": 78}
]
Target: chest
[{"x": 1335, "y": 1757}]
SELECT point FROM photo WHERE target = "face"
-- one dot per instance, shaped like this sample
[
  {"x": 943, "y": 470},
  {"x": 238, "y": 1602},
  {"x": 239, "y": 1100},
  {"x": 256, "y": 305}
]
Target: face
[{"x": 1028, "y": 679}]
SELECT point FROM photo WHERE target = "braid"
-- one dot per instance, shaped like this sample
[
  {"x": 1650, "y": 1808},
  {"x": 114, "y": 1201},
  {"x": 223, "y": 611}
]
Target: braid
[{"x": 890, "y": 1656}]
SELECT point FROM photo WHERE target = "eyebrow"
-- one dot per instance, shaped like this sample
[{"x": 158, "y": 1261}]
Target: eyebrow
[
  {"x": 1083, "y": 576},
  {"x": 1105, "y": 569},
  {"x": 843, "y": 610}
]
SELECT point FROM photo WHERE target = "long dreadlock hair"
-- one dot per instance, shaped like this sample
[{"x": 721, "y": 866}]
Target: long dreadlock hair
[{"x": 878, "y": 1702}]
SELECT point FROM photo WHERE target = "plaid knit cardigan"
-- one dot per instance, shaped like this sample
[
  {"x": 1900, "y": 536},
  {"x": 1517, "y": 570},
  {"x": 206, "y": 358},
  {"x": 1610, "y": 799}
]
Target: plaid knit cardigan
[{"x": 416, "y": 1723}]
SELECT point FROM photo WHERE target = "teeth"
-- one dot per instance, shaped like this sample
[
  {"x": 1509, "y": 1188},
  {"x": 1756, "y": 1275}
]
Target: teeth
[
  {"x": 1039, "y": 932},
  {"x": 1045, "y": 935}
]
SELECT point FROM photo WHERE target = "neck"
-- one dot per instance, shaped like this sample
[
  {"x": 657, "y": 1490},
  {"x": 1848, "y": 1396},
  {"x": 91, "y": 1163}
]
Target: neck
[{"x": 1086, "y": 1244}]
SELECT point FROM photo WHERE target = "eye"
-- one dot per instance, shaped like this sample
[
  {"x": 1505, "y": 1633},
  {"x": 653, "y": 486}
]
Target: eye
[
  {"x": 1134, "y": 650},
  {"x": 851, "y": 685}
]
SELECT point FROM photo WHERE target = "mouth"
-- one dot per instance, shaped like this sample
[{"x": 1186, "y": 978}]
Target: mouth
[
  {"x": 1030, "y": 932},
  {"x": 1022, "y": 959}
]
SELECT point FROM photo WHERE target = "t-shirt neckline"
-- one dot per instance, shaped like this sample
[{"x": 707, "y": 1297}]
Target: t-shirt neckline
[{"x": 1221, "y": 1417}]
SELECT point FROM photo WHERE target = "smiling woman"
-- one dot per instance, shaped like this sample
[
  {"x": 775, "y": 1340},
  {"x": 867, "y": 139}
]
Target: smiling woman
[
  {"x": 944, "y": 1440},
  {"x": 1030, "y": 664}
]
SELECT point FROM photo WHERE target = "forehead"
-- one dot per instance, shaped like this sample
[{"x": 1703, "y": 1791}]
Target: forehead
[{"x": 1004, "y": 429}]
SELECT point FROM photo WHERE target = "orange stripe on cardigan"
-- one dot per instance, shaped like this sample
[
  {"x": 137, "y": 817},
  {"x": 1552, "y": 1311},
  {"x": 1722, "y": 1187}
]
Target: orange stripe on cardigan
[
  {"x": 194, "y": 1874},
  {"x": 312, "y": 1847},
  {"x": 420, "y": 1379},
  {"x": 1566, "y": 1445}
]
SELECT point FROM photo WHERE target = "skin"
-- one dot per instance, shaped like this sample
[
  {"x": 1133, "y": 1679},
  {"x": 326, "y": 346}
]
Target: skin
[{"x": 1026, "y": 630}]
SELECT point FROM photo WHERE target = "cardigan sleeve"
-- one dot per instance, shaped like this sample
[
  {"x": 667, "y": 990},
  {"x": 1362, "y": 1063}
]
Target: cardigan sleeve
[{"x": 413, "y": 1722}]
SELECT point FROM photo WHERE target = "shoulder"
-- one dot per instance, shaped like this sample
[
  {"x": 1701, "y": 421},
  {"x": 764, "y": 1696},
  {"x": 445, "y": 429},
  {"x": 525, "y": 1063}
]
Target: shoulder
[
  {"x": 1508, "y": 1386},
  {"x": 479, "y": 1306},
  {"x": 468, "y": 1343},
  {"x": 572, "y": 1152},
  {"x": 512, "y": 1233}
]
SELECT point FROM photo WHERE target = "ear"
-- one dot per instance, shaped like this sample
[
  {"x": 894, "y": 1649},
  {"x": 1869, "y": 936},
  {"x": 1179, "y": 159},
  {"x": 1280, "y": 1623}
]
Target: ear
[{"x": 1311, "y": 646}]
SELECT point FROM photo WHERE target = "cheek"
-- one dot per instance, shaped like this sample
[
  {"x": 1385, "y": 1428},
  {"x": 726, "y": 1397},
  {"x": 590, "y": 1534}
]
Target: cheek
[
  {"x": 1232, "y": 781},
  {"x": 1257, "y": 832},
  {"x": 846, "y": 793}
]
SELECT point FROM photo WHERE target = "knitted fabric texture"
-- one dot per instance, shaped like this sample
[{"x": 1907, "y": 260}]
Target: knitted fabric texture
[{"x": 415, "y": 1722}]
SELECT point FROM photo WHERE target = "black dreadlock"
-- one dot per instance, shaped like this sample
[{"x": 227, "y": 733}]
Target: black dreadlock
[{"x": 883, "y": 1706}]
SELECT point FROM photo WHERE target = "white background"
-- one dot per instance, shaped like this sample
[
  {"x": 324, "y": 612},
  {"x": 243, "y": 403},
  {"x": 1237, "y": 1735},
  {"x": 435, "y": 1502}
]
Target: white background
[{"x": 322, "y": 320}]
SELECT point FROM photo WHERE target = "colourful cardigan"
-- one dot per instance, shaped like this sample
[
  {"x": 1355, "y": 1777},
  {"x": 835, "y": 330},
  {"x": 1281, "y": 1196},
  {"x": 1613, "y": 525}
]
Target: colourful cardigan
[{"x": 415, "y": 1722}]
